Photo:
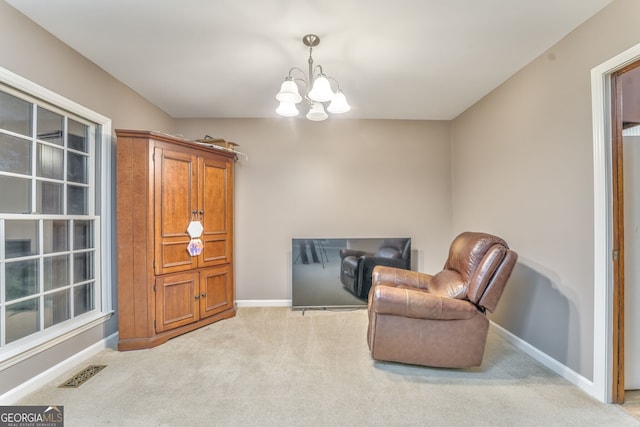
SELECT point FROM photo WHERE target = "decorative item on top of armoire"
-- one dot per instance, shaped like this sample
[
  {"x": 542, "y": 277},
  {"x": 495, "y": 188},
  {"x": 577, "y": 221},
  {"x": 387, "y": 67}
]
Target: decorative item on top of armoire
[
  {"x": 220, "y": 143},
  {"x": 175, "y": 237}
]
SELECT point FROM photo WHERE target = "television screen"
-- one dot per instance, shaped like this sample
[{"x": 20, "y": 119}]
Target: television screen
[{"x": 326, "y": 272}]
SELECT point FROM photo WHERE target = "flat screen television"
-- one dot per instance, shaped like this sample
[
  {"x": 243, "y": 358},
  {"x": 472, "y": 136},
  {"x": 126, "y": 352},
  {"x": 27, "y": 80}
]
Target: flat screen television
[{"x": 316, "y": 267}]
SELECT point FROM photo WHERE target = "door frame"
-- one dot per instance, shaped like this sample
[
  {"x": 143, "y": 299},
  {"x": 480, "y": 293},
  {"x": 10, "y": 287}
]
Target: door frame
[
  {"x": 607, "y": 307},
  {"x": 617, "y": 200}
]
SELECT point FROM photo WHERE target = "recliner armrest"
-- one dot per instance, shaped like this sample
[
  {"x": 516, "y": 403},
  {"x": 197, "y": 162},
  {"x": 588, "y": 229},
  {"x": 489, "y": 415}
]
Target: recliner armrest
[
  {"x": 416, "y": 303},
  {"x": 401, "y": 277}
]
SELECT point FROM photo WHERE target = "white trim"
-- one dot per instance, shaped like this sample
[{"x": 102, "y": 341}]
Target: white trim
[
  {"x": 263, "y": 303},
  {"x": 570, "y": 375},
  {"x": 33, "y": 384},
  {"x": 34, "y": 89},
  {"x": 603, "y": 223},
  {"x": 103, "y": 240},
  {"x": 106, "y": 217}
]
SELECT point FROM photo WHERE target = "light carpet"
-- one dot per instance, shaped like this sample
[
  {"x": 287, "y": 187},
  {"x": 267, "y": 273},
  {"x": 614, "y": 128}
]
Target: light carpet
[{"x": 278, "y": 367}]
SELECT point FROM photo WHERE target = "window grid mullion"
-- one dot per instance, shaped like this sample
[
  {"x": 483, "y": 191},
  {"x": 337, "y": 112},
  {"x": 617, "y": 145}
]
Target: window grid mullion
[
  {"x": 41, "y": 273},
  {"x": 71, "y": 268},
  {"x": 91, "y": 170},
  {"x": 65, "y": 165},
  {"x": 34, "y": 157}
]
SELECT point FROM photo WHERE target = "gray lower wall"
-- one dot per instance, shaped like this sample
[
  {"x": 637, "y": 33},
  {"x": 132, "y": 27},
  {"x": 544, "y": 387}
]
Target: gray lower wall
[{"x": 24, "y": 371}]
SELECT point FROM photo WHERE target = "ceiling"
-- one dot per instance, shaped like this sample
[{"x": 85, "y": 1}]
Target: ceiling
[{"x": 402, "y": 59}]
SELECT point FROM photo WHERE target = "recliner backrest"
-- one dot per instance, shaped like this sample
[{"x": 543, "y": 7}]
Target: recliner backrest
[{"x": 484, "y": 263}]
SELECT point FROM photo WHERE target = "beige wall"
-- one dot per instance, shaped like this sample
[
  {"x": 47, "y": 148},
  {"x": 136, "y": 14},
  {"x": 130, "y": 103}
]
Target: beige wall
[
  {"x": 523, "y": 168},
  {"x": 31, "y": 52},
  {"x": 339, "y": 178}
]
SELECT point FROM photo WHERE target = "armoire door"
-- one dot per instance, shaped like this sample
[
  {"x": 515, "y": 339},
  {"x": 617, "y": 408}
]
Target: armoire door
[
  {"x": 215, "y": 209},
  {"x": 216, "y": 290},
  {"x": 177, "y": 297},
  {"x": 175, "y": 182}
]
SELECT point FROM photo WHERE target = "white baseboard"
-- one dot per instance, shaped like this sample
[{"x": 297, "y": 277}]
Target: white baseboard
[
  {"x": 17, "y": 393},
  {"x": 565, "y": 372},
  {"x": 263, "y": 303}
]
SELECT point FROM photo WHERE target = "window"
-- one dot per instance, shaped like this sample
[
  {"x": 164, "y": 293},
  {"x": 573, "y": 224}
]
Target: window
[{"x": 51, "y": 260}]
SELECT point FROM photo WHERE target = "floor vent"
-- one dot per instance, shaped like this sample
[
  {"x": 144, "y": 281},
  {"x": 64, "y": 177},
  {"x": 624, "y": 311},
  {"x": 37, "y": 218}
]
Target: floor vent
[{"x": 81, "y": 377}]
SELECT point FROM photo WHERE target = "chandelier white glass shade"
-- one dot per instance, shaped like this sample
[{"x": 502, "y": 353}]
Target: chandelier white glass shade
[{"x": 317, "y": 89}]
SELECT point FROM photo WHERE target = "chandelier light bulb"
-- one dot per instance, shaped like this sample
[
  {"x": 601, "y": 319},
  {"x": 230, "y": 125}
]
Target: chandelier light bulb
[
  {"x": 289, "y": 92},
  {"x": 321, "y": 90},
  {"x": 316, "y": 112},
  {"x": 339, "y": 104},
  {"x": 287, "y": 109}
]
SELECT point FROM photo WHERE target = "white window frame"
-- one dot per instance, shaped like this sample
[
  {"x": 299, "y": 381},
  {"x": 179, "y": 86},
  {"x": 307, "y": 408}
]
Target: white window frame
[{"x": 27, "y": 347}]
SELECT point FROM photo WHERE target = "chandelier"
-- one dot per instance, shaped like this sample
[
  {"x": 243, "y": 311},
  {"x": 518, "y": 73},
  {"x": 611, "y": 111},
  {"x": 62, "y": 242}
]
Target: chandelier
[{"x": 317, "y": 90}]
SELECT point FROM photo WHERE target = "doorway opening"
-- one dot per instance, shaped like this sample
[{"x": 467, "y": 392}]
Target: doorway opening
[
  {"x": 607, "y": 356},
  {"x": 625, "y": 172}
]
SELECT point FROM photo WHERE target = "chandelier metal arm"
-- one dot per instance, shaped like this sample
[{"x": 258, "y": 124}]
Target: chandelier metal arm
[
  {"x": 307, "y": 82},
  {"x": 302, "y": 80},
  {"x": 305, "y": 85},
  {"x": 335, "y": 81},
  {"x": 317, "y": 72},
  {"x": 296, "y": 69}
]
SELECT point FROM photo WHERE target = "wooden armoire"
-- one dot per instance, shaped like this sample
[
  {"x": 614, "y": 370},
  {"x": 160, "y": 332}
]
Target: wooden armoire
[{"x": 165, "y": 183}]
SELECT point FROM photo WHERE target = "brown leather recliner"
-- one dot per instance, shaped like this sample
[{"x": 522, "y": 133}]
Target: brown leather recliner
[{"x": 439, "y": 320}]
